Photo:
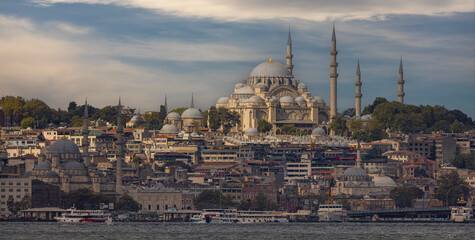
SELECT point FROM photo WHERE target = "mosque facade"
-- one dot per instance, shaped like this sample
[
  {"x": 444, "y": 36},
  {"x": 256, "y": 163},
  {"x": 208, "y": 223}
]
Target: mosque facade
[{"x": 272, "y": 93}]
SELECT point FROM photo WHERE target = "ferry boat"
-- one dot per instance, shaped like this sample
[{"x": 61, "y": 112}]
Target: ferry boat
[
  {"x": 216, "y": 216},
  {"x": 331, "y": 212},
  {"x": 84, "y": 216},
  {"x": 461, "y": 213},
  {"x": 262, "y": 217},
  {"x": 235, "y": 216}
]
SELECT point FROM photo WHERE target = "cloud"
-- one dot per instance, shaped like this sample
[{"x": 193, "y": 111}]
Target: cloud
[{"x": 314, "y": 10}]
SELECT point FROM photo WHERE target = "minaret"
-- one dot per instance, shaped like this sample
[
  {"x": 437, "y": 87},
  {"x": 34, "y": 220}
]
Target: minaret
[
  {"x": 120, "y": 151},
  {"x": 358, "y": 94},
  {"x": 166, "y": 105},
  {"x": 85, "y": 136},
  {"x": 192, "y": 102},
  {"x": 333, "y": 77},
  {"x": 289, "y": 56},
  {"x": 400, "y": 82}
]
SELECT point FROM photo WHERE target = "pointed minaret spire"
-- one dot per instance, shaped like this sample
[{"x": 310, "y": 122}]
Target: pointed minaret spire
[
  {"x": 289, "y": 56},
  {"x": 333, "y": 77},
  {"x": 166, "y": 105},
  {"x": 192, "y": 102},
  {"x": 85, "y": 136},
  {"x": 120, "y": 151},
  {"x": 400, "y": 82},
  {"x": 358, "y": 94}
]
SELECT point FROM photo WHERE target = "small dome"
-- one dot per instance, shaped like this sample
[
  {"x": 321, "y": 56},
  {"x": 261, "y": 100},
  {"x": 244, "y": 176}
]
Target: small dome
[
  {"x": 239, "y": 85},
  {"x": 251, "y": 131},
  {"x": 318, "y": 132},
  {"x": 384, "y": 181},
  {"x": 302, "y": 85},
  {"x": 173, "y": 115},
  {"x": 43, "y": 166},
  {"x": 242, "y": 100},
  {"x": 73, "y": 165},
  {"x": 245, "y": 90},
  {"x": 300, "y": 100},
  {"x": 366, "y": 117},
  {"x": 137, "y": 118},
  {"x": 318, "y": 99},
  {"x": 223, "y": 100},
  {"x": 270, "y": 69},
  {"x": 255, "y": 99},
  {"x": 355, "y": 172},
  {"x": 169, "y": 128},
  {"x": 261, "y": 85},
  {"x": 191, "y": 113},
  {"x": 63, "y": 146},
  {"x": 287, "y": 99},
  {"x": 51, "y": 174}
]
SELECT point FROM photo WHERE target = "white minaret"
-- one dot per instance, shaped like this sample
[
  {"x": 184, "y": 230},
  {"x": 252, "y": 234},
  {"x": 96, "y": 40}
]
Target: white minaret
[
  {"x": 289, "y": 56},
  {"x": 85, "y": 136},
  {"x": 120, "y": 151},
  {"x": 358, "y": 94},
  {"x": 333, "y": 77},
  {"x": 400, "y": 82}
]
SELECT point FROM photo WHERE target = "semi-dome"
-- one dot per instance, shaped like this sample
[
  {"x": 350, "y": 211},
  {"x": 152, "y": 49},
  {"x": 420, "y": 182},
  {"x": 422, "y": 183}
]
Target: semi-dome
[
  {"x": 255, "y": 99},
  {"x": 287, "y": 99},
  {"x": 245, "y": 90},
  {"x": 43, "y": 166},
  {"x": 242, "y": 100},
  {"x": 270, "y": 69},
  {"x": 300, "y": 100},
  {"x": 173, "y": 115},
  {"x": 169, "y": 128},
  {"x": 63, "y": 146},
  {"x": 251, "y": 131},
  {"x": 318, "y": 99},
  {"x": 261, "y": 85},
  {"x": 319, "y": 132},
  {"x": 239, "y": 85},
  {"x": 191, "y": 113},
  {"x": 51, "y": 174},
  {"x": 355, "y": 172},
  {"x": 223, "y": 100},
  {"x": 73, "y": 165},
  {"x": 384, "y": 181},
  {"x": 302, "y": 85}
]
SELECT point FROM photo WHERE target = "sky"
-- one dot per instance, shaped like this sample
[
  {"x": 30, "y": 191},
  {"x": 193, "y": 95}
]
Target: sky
[{"x": 141, "y": 50}]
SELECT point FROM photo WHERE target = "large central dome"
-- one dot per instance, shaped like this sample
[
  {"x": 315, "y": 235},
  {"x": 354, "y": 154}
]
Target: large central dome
[{"x": 270, "y": 69}]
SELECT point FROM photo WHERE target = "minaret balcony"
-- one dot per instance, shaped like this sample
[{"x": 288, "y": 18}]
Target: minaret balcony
[{"x": 333, "y": 75}]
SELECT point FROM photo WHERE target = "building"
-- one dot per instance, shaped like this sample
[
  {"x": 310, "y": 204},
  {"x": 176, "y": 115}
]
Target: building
[{"x": 161, "y": 199}]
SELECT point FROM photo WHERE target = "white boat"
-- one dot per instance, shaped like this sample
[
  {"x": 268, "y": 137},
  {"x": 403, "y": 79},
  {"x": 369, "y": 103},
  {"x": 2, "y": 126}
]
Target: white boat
[
  {"x": 331, "y": 213},
  {"x": 235, "y": 216},
  {"x": 215, "y": 216},
  {"x": 262, "y": 217},
  {"x": 78, "y": 216},
  {"x": 461, "y": 213}
]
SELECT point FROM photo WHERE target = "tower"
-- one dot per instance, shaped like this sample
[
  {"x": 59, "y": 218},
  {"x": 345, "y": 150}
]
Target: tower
[
  {"x": 120, "y": 151},
  {"x": 85, "y": 136},
  {"x": 192, "y": 105},
  {"x": 333, "y": 77},
  {"x": 166, "y": 105},
  {"x": 358, "y": 94},
  {"x": 289, "y": 56},
  {"x": 400, "y": 82}
]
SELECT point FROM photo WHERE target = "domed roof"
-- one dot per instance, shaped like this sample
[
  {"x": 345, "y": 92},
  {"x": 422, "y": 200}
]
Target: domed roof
[
  {"x": 242, "y": 100},
  {"x": 302, "y": 85},
  {"x": 318, "y": 99},
  {"x": 355, "y": 171},
  {"x": 73, "y": 165},
  {"x": 191, "y": 113},
  {"x": 173, "y": 115},
  {"x": 169, "y": 128},
  {"x": 223, "y": 100},
  {"x": 239, "y": 85},
  {"x": 300, "y": 100},
  {"x": 255, "y": 99},
  {"x": 51, "y": 174},
  {"x": 246, "y": 89},
  {"x": 43, "y": 166},
  {"x": 63, "y": 146},
  {"x": 384, "y": 181},
  {"x": 270, "y": 69},
  {"x": 318, "y": 132},
  {"x": 366, "y": 117},
  {"x": 261, "y": 85},
  {"x": 136, "y": 118},
  {"x": 251, "y": 131},
  {"x": 287, "y": 99}
]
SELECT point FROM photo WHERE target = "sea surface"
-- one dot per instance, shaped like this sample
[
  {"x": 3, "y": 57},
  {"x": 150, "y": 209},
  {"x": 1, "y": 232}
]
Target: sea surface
[{"x": 353, "y": 230}]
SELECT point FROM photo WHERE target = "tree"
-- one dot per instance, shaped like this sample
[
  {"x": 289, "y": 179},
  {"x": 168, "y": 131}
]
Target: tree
[
  {"x": 27, "y": 122},
  {"x": 288, "y": 129},
  {"x": 179, "y": 110},
  {"x": 260, "y": 202},
  {"x": 457, "y": 127},
  {"x": 451, "y": 188},
  {"x": 338, "y": 125},
  {"x": 127, "y": 203},
  {"x": 222, "y": 118},
  {"x": 72, "y": 106},
  {"x": 211, "y": 199},
  {"x": 84, "y": 198},
  {"x": 441, "y": 125},
  {"x": 370, "y": 108},
  {"x": 107, "y": 113},
  {"x": 264, "y": 126},
  {"x": 464, "y": 161},
  {"x": 350, "y": 112},
  {"x": 13, "y": 108},
  {"x": 76, "y": 121},
  {"x": 403, "y": 195}
]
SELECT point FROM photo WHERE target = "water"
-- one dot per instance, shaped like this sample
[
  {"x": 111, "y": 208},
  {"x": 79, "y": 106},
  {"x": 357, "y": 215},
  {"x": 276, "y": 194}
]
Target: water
[{"x": 273, "y": 231}]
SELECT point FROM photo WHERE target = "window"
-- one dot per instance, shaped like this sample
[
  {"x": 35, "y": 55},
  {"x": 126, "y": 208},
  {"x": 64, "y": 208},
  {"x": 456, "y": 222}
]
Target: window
[{"x": 158, "y": 207}]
